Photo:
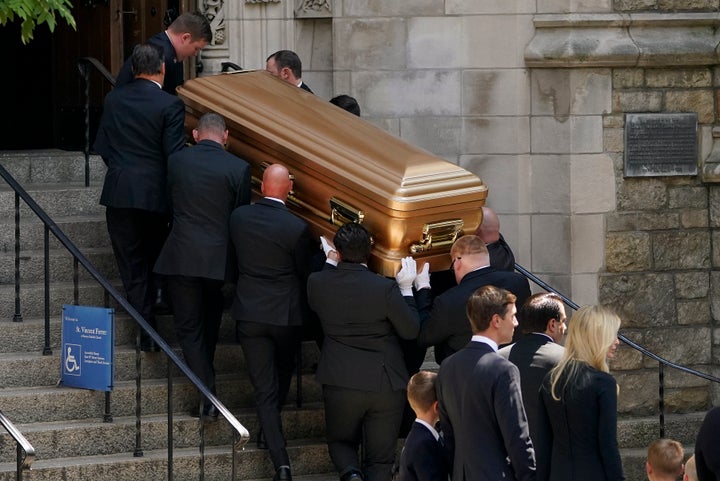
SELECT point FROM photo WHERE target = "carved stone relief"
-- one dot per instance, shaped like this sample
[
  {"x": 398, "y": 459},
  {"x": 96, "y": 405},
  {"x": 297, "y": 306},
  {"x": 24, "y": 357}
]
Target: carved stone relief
[
  {"x": 215, "y": 12},
  {"x": 313, "y": 8}
]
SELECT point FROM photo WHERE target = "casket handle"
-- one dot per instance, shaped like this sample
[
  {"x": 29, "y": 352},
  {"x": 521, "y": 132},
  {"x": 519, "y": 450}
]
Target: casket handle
[
  {"x": 438, "y": 234},
  {"x": 342, "y": 213}
]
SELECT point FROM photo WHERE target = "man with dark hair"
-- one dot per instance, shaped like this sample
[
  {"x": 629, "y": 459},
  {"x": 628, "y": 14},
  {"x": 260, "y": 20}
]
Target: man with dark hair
[
  {"x": 274, "y": 248},
  {"x": 481, "y": 409},
  {"x": 361, "y": 368},
  {"x": 184, "y": 38},
  {"x": 346, "y": 102},
  {"x": 205, "y": 184},
  {"x": 448, "y": 328},
  {"x": 140, "y": 127},
  {"x": 286, "y": 65},
  {"x": 535, "y": 354}
]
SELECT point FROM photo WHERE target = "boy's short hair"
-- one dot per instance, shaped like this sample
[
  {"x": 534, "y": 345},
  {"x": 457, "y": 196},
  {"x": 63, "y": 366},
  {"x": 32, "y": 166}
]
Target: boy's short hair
[
  {"x": 666, "y": 457},
  {"x": 421, "y": 390}
]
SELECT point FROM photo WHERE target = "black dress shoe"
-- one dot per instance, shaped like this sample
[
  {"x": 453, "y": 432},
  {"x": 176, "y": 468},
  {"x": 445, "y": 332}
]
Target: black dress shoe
[
  {"x": 209, "y": 413},
  {"x": 261, "y": 443},
  {"x": 352, "y": 475},
  {"x": 282, "y": 474}
]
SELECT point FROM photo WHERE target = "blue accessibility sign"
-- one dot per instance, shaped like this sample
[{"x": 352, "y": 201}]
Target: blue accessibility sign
[{"x": 87, "y": 347}]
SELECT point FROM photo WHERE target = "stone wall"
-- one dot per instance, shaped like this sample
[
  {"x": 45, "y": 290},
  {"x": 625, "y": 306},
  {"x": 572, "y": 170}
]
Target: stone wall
[{"x": 659, "y": 249}]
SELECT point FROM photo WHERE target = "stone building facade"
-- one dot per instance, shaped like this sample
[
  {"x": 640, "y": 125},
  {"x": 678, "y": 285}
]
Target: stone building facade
[{"x": 531, "y": 95}]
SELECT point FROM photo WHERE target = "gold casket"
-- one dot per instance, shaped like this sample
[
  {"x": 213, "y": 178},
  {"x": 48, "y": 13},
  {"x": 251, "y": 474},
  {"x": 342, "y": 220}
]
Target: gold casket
[{"x": 345, "y": 169}]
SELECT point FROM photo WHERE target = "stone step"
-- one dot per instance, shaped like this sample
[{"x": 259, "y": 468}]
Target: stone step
[
  {"x": 84, "y": 231},
  {"x": 57, "y": 200},
  {"x": 60, "y": 439},
  {"x": 50, "y": 166},
  {"x": 32, "y": 298},
  {"x": 639, "y": 432},
  {"x": 32, "y": 265},
  {"x": 306, "y": 457},
  {"x": 33, "y": 369},
  {"x": 41, "y": 404}
]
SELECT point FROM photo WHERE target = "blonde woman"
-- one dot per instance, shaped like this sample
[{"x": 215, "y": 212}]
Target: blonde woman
[{"x": 579, "y": 396}]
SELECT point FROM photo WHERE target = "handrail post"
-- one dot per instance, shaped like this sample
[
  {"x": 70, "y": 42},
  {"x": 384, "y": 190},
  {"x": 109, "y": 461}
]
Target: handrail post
[
  {"x": 170, "y": 421},
  {"x": 85, "y": 72},
  {"x": 138, "y": 453},
  {"x": 661, "y": 403},
  {"x": 47, "y": 350},
  {"x": 17, "y": 317}
]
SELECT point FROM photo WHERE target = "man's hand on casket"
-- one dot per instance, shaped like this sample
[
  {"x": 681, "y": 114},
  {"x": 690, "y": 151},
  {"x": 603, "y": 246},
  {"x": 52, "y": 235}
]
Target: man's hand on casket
[
  {"x": 422, "y": 281},
  {"x": 331, "y": 254},
  {"x": 406, "y": 275}
]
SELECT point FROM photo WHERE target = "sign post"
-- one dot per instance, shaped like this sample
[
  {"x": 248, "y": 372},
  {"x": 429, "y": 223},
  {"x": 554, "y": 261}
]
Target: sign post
[{"x": 87, "y": 347}]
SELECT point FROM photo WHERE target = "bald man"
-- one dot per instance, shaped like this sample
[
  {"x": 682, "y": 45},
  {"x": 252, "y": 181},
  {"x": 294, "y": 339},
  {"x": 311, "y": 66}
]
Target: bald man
[
  {"x": 501, "y": 256},
  {"x": 274, "y": 248}
]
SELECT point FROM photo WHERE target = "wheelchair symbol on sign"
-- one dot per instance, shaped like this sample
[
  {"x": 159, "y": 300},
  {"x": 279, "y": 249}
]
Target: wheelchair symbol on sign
[{"x": 72, "y": 366}]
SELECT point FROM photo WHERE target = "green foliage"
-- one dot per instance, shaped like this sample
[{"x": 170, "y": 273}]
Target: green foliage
[{"x": 34, "y": 13}]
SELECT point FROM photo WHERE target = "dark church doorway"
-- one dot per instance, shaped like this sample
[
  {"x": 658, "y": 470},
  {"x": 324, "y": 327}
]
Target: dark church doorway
[{"x": 43, "y": 92}]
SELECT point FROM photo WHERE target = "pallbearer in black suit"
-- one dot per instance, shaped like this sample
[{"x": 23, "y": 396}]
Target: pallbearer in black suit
[
  {"x": 448, "y": 328},
  {"x": 205, "y": 184},
  {"x": 361, "y": 366},
  {"x": 274, "y": 248},
  {"x": 184, "y": 38},
  {"x": 501, "y": 255},
  {"x": 286, "y": 65},
  {"x": 481, "y": 409},
  {"x": 537, "y": 352},
  {"x": 423, "y": 457},
  {"x": 140, "y": 127}
]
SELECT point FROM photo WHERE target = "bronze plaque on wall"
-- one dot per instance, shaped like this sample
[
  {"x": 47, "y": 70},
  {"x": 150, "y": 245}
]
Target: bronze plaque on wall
[{"x": 660, "y": 144}]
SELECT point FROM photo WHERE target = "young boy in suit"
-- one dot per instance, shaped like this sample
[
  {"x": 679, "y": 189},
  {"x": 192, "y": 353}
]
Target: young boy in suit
[{"x": 423, "y": 457}]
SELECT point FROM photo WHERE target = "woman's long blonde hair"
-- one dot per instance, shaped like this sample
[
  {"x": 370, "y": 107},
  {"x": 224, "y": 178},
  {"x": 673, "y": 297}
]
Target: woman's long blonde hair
[{"x": 591, "y": 332}]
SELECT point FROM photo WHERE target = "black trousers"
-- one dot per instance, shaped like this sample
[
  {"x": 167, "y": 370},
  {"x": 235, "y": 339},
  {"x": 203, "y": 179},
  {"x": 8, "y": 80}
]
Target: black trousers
[
  {"x": 270, "y": 352},
  {"x": 372, "y": 418},
  {"x": 137, "y": 236},
  {"x": 198, "y": 306}
]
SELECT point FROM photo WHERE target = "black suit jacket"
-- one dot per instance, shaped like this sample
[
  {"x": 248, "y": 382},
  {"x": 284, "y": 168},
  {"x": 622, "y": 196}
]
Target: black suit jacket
[
  {"x": 273, "y": 248},
  {"x": 362, "y": 315},
  {"x": 580, "y": 429},
  {"x": 140, "y": 127},
  {"x": 174, "y": 75},
  {"x": 448, "y": 327},
  {"x": 305, "y": 87},
  {"x": 205, "y": 184},
  {"x": 423, "y": 457},
  {"x": 501, "y": 256},
  {"x": 707, "y": 447},
  {"x": 482, "y": 416},
  {"x": 534, "y": 355}
]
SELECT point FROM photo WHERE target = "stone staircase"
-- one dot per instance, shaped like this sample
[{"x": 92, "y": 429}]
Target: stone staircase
[{"x": 66, "y": 426}]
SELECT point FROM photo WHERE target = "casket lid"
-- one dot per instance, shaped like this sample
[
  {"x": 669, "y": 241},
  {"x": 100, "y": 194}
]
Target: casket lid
[{"x": 304, "y": 127}]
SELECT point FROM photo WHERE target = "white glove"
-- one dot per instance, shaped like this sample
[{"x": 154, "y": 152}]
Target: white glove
[
  {"x": 422, "y": 281},
  {"x": 327, "y": 247},
  {"x": 406, "y": 275}
]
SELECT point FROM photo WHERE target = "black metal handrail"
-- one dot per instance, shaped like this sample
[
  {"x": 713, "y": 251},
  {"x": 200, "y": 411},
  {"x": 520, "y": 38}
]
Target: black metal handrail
[
  {"x": 241, "y": 434},
  {"x": 25, "y": 450},
  {"x": 85, "y": 65},
  {"x": 662, "y": 362}
]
